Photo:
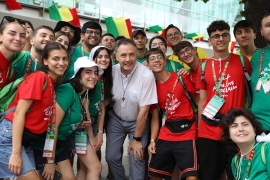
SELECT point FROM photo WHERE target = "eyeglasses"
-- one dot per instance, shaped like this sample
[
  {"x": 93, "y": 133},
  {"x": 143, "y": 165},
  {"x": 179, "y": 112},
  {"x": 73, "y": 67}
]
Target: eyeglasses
[
  {"x": 217, "y": 36},
  {"x": 153, "y": 45},
  {"x": 12, "y": 19},
  {"x": 96, "y": 33},
  {"x": 154, "y": 58},
  {"x": 182, "y": 53},
  {"x": 66, "y": 28},
  {"x": 173, "y": 34}
]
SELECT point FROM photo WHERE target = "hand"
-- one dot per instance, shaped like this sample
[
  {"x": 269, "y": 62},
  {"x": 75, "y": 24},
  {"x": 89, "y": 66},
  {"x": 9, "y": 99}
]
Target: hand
[
  {"x": 152, "y": 147},
  {"x": 182, "y": 71},
  {"x": 48, "y": 172},
  {"x": 84, "y": 124},
  {"x": 99, "y": 140},
  {"x": 93, "y": 143},
  {"x": 137, "y": 148},
  {"x": 15, "y": 163}
]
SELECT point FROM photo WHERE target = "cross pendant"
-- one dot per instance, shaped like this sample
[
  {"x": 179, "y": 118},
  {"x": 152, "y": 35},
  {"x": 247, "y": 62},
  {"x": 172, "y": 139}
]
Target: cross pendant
[{"x": 123, "y": 98}]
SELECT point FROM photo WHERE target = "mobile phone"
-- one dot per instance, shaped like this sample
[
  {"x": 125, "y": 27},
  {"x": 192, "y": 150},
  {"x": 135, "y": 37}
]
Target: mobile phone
[{"x": 57, "y": 174}]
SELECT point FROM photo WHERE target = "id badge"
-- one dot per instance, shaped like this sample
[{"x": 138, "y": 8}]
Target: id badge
[
  {"x": 266, "y": 84},
  {"x": 258, "y": 85},
  {"x": 49, "y": 142},
  {"x": 213, "y": 106},
  {"x": 81, "y": 142}
]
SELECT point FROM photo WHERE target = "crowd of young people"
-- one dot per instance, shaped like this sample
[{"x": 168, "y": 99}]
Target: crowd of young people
[{"x": 190, "y": 111}]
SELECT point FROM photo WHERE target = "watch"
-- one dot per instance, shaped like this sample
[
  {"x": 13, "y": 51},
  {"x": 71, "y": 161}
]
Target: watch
[
  {"x": 50, "y": 161},
  {"x": 137, "y": 138}
]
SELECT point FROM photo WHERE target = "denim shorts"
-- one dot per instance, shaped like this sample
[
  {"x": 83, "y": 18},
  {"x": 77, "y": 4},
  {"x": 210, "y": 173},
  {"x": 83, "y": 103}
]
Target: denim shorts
[{"x": 6, "y": 150}]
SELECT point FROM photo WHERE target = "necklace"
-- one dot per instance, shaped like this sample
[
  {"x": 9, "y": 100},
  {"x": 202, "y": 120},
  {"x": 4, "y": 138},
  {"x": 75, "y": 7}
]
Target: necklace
[
  {"x": 124, "y": 89},
  {"x": 219, "y": 59}
]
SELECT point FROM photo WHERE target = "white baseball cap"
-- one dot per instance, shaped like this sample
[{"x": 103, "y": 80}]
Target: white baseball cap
[
  {"x": 85, "y": 62},
  {"x": 94, "y": 50}
]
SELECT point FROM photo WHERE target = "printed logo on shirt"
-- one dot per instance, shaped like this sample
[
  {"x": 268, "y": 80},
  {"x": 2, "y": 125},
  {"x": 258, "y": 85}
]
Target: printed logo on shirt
[
  {"x": 226, "y": 86},
  {"x": 47, "y": 113},
  {"x": 97, "y": 105},
  {"x": 174, "y": 104},
  {"x": 1, "y": 78},
  {"x": 266, "y": 70},
  {"x": 74, "y": 126}
]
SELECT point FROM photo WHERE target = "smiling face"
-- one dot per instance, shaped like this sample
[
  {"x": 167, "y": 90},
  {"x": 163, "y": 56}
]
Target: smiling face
[
  {"x": 173, "y": 36},
  {"x": 89, "y": 77},
  {"x": 126, "y": 56},
  {"x": 91, "y": 37},
  {"x": 109, "y": 42},
  {"x": 57, "y": 62},
  {"x": 13, "y": 37},
  {"x": 220, "y": 40},
  {"x": 43, "y": 37},
  {"x": 103, "y": 59},
  {"x": 187, "y": 55},
  {"x": 156, "y": 62},
  {"x": 29, "y": 31},
  {"x": 64, "y": 40},
  {"x": 242, "y": 131}
]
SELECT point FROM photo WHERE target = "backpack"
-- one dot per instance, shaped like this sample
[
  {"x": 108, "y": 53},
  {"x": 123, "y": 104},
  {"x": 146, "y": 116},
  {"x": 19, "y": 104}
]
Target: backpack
[
  {"x": 262, "y": 155},
  {"x": 7, "y": 95},
  {"x": 248, "y": 92}
]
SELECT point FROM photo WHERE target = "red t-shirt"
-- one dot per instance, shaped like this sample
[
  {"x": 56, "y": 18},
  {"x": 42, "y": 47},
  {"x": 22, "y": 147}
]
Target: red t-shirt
[
  {"x": 179, "y": 107},
  {"x": 5, "y": 71},
  {"x": 232, "y": 88},
  {"x": 36, "y": 120}
]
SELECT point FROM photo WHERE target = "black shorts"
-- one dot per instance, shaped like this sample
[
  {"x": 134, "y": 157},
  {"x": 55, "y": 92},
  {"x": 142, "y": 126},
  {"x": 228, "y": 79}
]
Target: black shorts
[
  {"x": 168, "y": 153},
  {"x": 41, "y": 161},
  {"x": 214, "y": 158}
]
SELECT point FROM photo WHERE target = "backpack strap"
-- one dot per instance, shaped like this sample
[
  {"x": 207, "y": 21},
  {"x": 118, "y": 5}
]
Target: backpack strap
[
  {"x": 263, "y": 153},
  {"x": 172, "y": 65},
  {"x": 241, "y": 57},
  {"x": 248, "y": 91},
  {"x": 74, "y": 96},
  {"x": 203, "y": 66}
]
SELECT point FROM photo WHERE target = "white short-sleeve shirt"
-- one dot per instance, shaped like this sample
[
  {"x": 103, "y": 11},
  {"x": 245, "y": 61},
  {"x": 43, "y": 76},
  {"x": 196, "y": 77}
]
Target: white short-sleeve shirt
[{"x": 140, "y": 90}]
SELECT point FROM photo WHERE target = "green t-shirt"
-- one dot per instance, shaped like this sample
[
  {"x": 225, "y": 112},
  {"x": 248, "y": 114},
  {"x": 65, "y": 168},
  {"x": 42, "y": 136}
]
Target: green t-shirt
[
  {"x": 114, "y": 62},
  {"x": 20, "y": 65},
  {"x": 260, "y": 104},
  {"x": 258, "y": 171},
  {"x": 95, "y": 100},
  {"x": 141, "y": 60},
  {"x": 171, "y": 63},
  {"x": 69, "y": 101},
  {"x": 76, "y": 54}
]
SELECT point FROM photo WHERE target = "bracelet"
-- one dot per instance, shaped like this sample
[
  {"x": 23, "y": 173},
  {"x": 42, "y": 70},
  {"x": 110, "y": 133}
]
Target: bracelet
[
  {"x": 152, "y": 140},
  {"x": 50, "y": 161},
  {"x": 100, "y": 130}
]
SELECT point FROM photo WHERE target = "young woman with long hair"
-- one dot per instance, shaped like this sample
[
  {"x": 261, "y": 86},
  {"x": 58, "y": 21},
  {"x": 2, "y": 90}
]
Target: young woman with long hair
[{"x": 30, "y": 112}]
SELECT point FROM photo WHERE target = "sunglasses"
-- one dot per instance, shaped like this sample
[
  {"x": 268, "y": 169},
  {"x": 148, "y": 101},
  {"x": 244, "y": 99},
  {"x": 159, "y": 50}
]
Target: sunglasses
[{"x": 12, "y": 19}]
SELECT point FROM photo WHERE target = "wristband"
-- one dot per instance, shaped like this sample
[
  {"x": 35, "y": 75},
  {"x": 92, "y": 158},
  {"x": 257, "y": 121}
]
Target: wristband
[
  {"x": 100, "y": 130},
  {"x": 50, "y": 161},
  {"x": 152, "y": 140},
  {"x": 137, "y": 138}
]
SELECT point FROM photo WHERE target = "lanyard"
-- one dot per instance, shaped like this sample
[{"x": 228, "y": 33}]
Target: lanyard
[
  {"x": 169, "y": 97},
  {"x": 101, "y": 94},
  {"x": 218, "y": 84},
  {"x": 52, "y": 122},
  {"x": 248, "y": 165},
  {"x": 261, "y": 61}
]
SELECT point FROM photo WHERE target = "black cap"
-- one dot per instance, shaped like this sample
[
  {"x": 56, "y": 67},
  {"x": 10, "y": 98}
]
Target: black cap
[
  {"x": 136, "y": 31},
  {"x": 77, "y": 33}
]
